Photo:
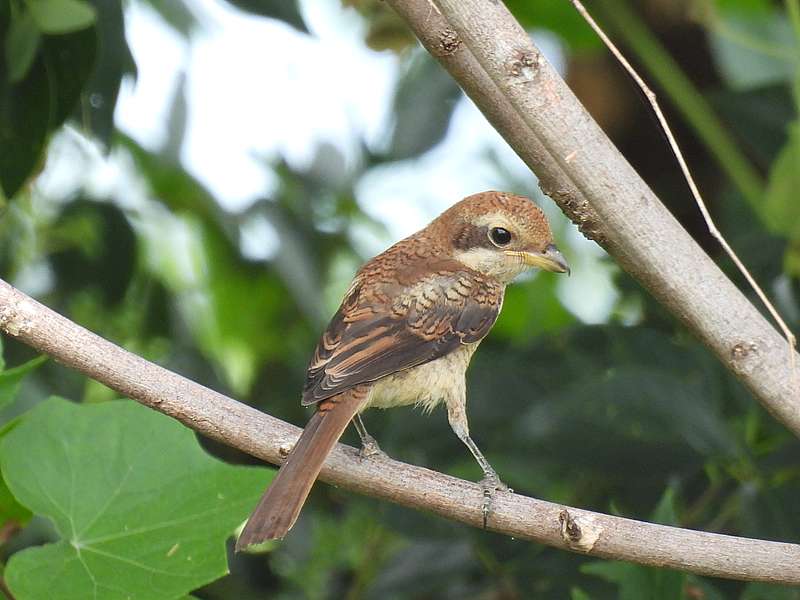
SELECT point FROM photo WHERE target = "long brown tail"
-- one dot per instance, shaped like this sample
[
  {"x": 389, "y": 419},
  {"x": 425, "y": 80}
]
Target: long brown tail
[{"x": 281, "y": 503}]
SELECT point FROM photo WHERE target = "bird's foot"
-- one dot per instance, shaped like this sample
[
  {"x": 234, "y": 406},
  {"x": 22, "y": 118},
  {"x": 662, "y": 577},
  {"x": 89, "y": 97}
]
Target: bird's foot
[
  {"x": 370, "y": 449},
  {"x": 491, "y": 484}
]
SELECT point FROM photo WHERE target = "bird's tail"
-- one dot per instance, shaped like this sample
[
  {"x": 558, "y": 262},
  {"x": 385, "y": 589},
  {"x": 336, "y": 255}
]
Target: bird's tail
[{"x": 281, "y": 503}]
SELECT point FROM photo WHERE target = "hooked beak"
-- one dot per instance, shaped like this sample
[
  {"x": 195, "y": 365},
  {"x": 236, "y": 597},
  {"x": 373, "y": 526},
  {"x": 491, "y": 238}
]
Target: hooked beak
[{"x": 549, "y": 260}]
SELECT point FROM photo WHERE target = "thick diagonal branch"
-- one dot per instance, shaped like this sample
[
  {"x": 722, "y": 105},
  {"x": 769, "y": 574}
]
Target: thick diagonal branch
[
  {"x": 270, "y": 439},
  {"x": 494, "y": 60}
]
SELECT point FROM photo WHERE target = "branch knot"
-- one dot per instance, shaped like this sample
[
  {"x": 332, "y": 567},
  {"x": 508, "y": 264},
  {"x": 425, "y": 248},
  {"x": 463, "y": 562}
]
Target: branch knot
[
  {"x": 525, "y": 63},
  {"x": 13, "y": 320},
  {"x": 579, "y": 532}
]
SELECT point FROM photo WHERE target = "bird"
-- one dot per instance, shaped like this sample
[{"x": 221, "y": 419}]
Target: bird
[{"x": 404, "y": 335}]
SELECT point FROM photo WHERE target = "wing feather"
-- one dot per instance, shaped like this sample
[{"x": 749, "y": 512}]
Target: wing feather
[{"x": 387, "y": 327}]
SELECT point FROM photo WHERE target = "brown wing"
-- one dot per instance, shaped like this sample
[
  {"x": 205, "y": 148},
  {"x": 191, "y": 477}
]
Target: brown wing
[{"x": 384, "y": 328}]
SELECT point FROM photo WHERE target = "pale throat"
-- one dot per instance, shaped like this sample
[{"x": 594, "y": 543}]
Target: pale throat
[{"x": 494, "y": 263}]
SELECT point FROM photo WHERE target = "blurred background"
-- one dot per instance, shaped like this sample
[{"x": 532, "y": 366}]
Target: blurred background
[{"x": 183, "y": 176}]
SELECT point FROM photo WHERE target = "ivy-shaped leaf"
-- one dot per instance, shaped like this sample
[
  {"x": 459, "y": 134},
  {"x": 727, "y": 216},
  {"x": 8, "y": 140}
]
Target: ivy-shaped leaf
[
  {"x": 12, "y": 513},
  {"x": 142, "y": 510}
]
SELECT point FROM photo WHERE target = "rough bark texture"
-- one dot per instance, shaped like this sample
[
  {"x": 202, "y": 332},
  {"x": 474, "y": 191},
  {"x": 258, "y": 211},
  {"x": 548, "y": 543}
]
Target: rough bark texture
[
  {"x": 256, "y": 433},
  {"x": 494, "y": 60}
]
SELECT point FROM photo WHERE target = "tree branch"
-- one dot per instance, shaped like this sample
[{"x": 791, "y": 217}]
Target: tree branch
[
  {"x": 270, "y": 439},
  {"x": 484, "y": 48}
]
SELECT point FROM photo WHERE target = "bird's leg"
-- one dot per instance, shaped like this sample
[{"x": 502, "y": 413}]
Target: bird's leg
[
  {"x": 457, "y": 416},
  {"x": 369, "y": 447},
  {"x": 491, "y": 481}
]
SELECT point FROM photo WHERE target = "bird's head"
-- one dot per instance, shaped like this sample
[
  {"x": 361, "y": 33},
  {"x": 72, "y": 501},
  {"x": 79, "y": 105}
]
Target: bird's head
[{"x": 500, "y": 235}]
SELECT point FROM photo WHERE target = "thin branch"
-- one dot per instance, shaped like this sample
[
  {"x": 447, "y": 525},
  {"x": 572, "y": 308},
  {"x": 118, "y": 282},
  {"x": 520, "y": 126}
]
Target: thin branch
[
  {"x": 493, "y": 59},
  {"x": 673, "y": 143},
  {"x": 686, "y": 98},
  {"x": 270, "y": 439}
]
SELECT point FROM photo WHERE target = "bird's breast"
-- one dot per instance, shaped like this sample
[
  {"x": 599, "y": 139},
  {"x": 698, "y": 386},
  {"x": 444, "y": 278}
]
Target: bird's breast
[{"x": 425, "y": 385}]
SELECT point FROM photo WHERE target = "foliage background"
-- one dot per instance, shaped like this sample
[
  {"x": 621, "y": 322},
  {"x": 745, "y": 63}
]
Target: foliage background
[{"x": 585, "y": 393}]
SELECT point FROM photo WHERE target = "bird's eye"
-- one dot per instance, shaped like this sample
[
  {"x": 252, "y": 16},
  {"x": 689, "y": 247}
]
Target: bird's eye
[{"x": 499, "y": 236}]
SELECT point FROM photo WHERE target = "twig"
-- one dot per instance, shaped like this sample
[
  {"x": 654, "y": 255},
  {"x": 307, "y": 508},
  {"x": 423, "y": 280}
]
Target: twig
[
  {"x": 484, "y": 48},
  {"x": 686, "y": 98},
  {"x": 268, "y": 438},
  {"x": 673, "y": 143}
]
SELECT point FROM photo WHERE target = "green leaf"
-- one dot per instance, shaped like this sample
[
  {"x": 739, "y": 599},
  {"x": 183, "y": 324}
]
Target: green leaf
[
  {"x": 177, "y": 15},
  {"x": 665, "y": 510},
  {"x": 69, "y": 60},
  {"x": 636, "y": 582},
  {"x": 759, "y": 118},
  {"x": 577, "y": 593},
  {"x": 747, "y": 7},
  {"x": 532, "y": 308},
  {"x": 239, "y": 341},
  {"x": 10, "y": 508},
  {"x": 61, "y": 16},
  {"x": 142, "y": 510},
  {"x": 11, "y": 511},
  {"x": 753, "y": 50},
  {"x": 40, "y": 102},
  {"x": 97, "y": 252},
  {"x": 765, "y": 591},
  {"x": 632, "y": 580},
  {"x": 288, "y": 12},
  {"x": 100, "y": 92},
  {"x": 24, "y": 119},
  {"x": 10, "y": 380},
  {"x": 781, "y": 210},
  {"x": 559, "y": 17},
  {"x": 423, "y": 104},
  {"x": 21, "y": 45},
  {"x": 641, "y": 408}
]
